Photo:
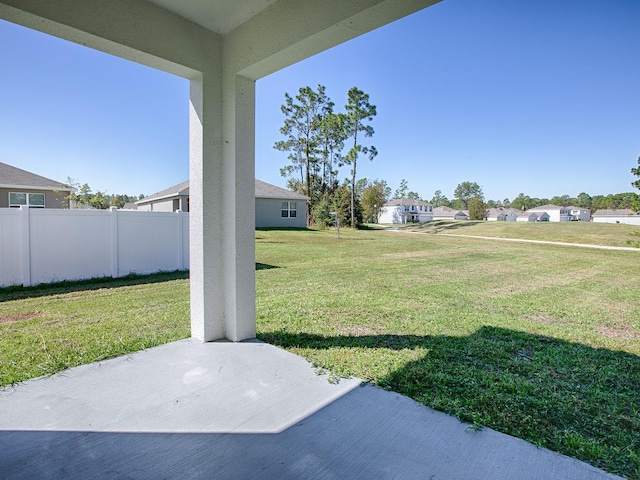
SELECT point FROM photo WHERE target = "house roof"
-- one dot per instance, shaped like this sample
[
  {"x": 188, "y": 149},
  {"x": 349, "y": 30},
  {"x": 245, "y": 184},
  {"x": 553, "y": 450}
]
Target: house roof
[
  {"x": 179, "y": 190},
  {"x": 546, "y": 207},
  {"x": 405, "y": 201},
  {"x": 262, "y": 190},
  {"x": 444, "y": 211},
  {"x": 614, "y": 212},
  {"x": 523, "y": 214},
  {"x": 573, "y": 207},
  {"x": 266, "y": 190},
  {"x": 13, "y": 177}
]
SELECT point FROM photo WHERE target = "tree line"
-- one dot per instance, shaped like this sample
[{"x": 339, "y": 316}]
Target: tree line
[{"x": 84, "y": 197}]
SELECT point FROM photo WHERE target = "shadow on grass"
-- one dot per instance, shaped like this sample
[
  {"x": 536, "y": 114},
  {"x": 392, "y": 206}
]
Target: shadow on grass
[
  {"x": 265, "y": 266},
  {"x": 568, "y": 397},
  {"x": 68, "y": 286}
]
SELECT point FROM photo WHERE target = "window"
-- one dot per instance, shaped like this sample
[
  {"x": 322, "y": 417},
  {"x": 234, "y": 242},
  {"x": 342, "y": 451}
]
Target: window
[
  {"x": 27, "y": 199},
  {"x": 289, "y": 210}
]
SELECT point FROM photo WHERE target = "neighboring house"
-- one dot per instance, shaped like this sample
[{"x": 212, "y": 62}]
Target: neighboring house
[
  {"x": 524, "y": 216},
  {"x": 555, "y": 212},
  {"x": 21, "y": 188},
  {"x": 505, "y": 214},
  {"x": 621, "y": 215},
  {"x": 448, "y": 213},
  {"x": 168, "y": 200},
  {"x": 275, "y": 206},
  {"x": 501, "y": 214},
  {"x": 404, "y": 210},
  {"x": 579, "y": 214}
]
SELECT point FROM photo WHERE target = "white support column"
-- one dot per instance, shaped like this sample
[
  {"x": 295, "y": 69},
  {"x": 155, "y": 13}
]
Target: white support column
[
  {"x": 239, "y": 162},
  {"x": 222, "y": 207}
]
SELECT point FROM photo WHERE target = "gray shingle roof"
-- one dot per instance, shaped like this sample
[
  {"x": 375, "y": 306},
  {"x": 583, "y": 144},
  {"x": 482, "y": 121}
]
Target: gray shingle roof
[
  {"x": 444, "y": 211},
  {"x": 545, "y": 208},
  {"x": 614, "y": 212},
  {"x": 405, "y": 201},
  {"x": 11, "y": 177},
  {"x": 262, "y": 189}
]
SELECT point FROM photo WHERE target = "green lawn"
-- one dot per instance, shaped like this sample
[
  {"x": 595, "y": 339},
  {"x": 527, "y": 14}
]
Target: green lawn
[
  {"x": 538, "y": 341},
  {"x": 611, "y": 234}
]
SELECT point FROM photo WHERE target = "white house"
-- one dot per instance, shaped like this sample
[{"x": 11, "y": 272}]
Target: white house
[
  {"x": 274, "y": 206},
  {"x": 555, "y": 212},
  {"x": 621, "y": 215},
  {"x": 579, "y": 214},
  {"x": 403, "y": 210},
  {"x": 448, "y": 213}
]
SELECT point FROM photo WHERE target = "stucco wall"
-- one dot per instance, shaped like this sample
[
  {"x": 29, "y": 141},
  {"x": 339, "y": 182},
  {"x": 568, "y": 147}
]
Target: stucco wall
[
  {"x": 268, "y": 214},
  {"x": 52, "y": 199}
]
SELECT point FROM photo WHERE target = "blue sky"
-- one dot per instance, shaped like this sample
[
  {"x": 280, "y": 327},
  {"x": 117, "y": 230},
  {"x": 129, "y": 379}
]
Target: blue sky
[{"x": 535, "y": 97}]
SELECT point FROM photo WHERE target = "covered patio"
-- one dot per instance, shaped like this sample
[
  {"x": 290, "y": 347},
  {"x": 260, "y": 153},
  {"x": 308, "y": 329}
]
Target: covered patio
[
  {"x": 190, "y": 409},
  {"x": 220, "y": 405}
]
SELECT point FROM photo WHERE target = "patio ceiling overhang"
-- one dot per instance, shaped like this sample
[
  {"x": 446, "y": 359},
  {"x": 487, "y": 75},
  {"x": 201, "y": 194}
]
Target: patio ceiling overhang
[{"x": 222, "y": 47}]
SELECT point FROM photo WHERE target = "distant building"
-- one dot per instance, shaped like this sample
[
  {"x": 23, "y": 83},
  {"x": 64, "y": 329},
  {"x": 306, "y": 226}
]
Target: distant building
[
  {"x": 555, "y": 212},
  {"x": 21, "y": 188},
  {"x": 448, "y": 213},
  {"x": 404, "y": 210},
  {"x": 274, "y": 206},
  {"x": 620, "y": 215}
]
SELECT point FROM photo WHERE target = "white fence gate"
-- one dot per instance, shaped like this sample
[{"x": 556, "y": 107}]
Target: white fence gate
[{"x": 49, "y": 245}]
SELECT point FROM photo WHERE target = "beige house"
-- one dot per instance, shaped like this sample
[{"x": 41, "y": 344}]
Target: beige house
[
  {"x": 275, "y": 206},
  {"x": 21, "y": 188}
]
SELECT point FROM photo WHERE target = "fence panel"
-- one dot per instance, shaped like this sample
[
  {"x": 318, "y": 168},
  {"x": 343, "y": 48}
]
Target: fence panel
[
  {"x": 48, "y": 245},
  {"x": 10, "y": 257},
  {"x": 69, "y": 244}
]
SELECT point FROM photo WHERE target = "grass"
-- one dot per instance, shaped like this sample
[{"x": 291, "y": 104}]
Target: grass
[
  {"x": 49, "y": 328},
  {"x": 609, "y": 234},
  {"x": 538, "y": 341}
]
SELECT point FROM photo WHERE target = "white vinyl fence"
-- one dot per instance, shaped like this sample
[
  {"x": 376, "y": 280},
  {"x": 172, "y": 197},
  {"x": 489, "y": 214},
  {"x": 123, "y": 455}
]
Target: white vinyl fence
[{"x": 49, "y": 245}]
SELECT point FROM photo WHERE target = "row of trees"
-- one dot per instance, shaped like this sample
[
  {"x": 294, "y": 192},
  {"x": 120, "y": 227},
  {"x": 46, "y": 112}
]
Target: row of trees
[
  {"x": 318, "y": 141},
  {"x": 85, "y": 197}
]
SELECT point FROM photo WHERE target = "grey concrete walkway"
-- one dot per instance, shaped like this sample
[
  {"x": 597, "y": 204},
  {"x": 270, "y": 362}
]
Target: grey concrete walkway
[{"x": 250, "y": 410}]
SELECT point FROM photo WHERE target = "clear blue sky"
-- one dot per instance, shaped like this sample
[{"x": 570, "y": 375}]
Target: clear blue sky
[{"x": 538, "y": 97}]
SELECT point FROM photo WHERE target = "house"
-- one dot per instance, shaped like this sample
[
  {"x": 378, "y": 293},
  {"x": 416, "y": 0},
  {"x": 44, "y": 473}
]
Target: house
[
  {"x": 403, "y": 210},
  {"x": 524, "y": 216},
  {"x": 501, "y": 214},
  {"x": 448, "y": 213},
  {"x": 555, "y": 212},
  {"x": 579, "y": 214},
  {"x": 274, "y": 206},
  {"x": 620, "y": 215},
  {"x": 21, "y": 188}
]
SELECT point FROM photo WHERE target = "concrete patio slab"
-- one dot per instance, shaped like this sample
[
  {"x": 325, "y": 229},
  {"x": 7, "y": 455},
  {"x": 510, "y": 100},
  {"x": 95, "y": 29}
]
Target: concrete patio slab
[{"x": 244, "y": 410}]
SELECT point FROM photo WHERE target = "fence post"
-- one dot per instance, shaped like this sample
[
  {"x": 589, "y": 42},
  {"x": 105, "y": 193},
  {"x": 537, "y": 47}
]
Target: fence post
[
  {"x": 25, "y": 246},
  {"x": 115, "y": 273},
  {"x": 180, "y": 262}
]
